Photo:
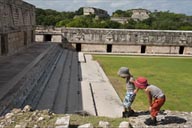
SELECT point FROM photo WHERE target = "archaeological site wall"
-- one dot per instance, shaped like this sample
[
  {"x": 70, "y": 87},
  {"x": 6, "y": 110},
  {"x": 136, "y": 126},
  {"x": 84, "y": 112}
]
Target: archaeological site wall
[
  {"x": 17, "y": 26},
  {"x": 122, "y": 40}
]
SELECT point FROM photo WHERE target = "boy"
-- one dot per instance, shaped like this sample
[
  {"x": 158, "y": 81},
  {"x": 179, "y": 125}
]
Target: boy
[
  {"x": 130, "y": 94},
  {"x": 152, "y": 92}
]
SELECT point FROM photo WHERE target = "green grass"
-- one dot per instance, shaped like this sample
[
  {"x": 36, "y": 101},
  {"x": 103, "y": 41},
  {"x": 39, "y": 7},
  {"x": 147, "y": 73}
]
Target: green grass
[{"x": 172, "y": 74}]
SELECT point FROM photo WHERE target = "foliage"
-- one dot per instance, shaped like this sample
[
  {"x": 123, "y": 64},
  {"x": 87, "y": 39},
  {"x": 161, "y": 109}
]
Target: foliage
[
  {"x": 51, "y": 17},
  {"x": 120, "y": 13},
  {"x": 157, "y": 20},
  {"x": 172, "y": 75}
]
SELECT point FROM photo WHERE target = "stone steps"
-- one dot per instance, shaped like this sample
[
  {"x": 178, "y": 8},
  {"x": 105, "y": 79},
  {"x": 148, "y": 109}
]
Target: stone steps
[
  {"x": 19, "y": 88},
  {"x": 48, "y": 95}
]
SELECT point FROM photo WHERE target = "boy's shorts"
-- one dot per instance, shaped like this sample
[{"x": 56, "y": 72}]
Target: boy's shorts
[{"x": 128, "y": 100}]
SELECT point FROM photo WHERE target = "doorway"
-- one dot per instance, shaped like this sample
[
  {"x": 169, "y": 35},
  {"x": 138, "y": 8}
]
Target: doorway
[
  {"x": 143, "y": 48},
  {"x": 181, "y": 49},
  {"x": 109, "y": 47},
  {"x": 47, "y": 37},
  {"x": 4, "y": 44},
  {"x": 78, "y": 47}
]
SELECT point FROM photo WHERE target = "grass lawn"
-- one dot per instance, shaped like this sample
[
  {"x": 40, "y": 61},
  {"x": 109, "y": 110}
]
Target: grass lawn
[{"x": 172, "y": 74}]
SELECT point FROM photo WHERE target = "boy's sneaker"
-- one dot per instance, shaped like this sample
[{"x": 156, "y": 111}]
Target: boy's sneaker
[
  {"x": 132, "y": 112},
  {"x": 150, "y": 121},
  {"x": 125, "y": 114},
  {"x": 128, "y": 113}
]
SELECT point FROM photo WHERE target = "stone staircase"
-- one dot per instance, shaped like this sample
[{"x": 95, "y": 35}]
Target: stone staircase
[{"x": 16, "y": 91}]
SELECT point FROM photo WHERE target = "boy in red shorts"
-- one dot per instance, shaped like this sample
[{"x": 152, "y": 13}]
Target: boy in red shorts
[{"x": 153, "y": 93}]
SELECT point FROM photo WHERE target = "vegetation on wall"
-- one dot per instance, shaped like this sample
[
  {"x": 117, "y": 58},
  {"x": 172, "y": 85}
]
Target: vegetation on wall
[{"x": 158, "y": 20}]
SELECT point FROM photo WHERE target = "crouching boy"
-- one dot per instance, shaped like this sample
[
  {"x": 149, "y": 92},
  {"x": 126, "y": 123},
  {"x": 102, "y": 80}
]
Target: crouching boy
[{"x": 154, "y": 93}]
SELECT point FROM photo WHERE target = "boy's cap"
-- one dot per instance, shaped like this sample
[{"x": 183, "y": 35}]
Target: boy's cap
[
  {"x": 123, "y": 72},
  {"x": 141, "y": 82}
]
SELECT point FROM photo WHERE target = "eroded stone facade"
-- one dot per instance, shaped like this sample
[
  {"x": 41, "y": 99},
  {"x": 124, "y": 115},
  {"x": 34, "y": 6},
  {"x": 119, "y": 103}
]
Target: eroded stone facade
[
  {"x": 16, "y": 25},
  {"x": 125, "y": 40}
]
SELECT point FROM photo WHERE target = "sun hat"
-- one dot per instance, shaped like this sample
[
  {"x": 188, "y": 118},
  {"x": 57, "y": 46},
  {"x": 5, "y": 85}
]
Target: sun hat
[
  {"x": 123, "y": 72},
  {"x": 141, "y": 82}
]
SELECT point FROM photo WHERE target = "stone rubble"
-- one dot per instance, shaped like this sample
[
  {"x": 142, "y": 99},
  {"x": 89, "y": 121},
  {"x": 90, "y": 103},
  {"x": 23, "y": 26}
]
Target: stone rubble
[{"x": 166, "y": 119}]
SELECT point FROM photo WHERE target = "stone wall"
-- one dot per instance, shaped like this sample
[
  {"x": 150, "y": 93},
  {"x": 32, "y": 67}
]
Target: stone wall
[
  {"x": 16, "y": 25},
  {"x": 125, "y": 40},
  {"x": 44, "y": 34},
  {"x": 93, "y": 48},
  {"x": 126, "y": 49}
]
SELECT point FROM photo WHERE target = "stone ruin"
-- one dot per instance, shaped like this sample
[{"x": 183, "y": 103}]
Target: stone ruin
[
  {"x": 17, "y": 25},
  {"x": 17, "y": 31},
  {"x": 120, "y": 40}
]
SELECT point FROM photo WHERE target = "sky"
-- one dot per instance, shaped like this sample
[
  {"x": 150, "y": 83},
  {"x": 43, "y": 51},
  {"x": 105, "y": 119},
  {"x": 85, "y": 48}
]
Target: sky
[{"x": 176, "y": 6}]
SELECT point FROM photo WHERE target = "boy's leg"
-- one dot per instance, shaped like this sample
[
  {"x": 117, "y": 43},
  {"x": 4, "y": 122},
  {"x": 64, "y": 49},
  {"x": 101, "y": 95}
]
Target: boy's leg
[
  {"x": 156, "y": 105},
  {"x": 128, "y": 100}
]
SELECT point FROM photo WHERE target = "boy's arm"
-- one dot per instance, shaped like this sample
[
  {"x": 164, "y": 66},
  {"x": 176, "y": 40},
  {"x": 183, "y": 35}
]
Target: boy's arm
[
  {"x": 136, "y": 90},
  {"x": 149, "y": 96}
]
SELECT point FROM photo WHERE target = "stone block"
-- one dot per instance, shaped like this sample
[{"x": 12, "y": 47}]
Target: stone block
[
  {"x": 124, "y": 124},
  {"x": 188, "y": 51},
  {"x": 63, "y": 122},
  {"x": 56, "y": 38},
  {"x": 39, "y": 38},
  {"x": 89, "y": 125},
  {"x": 93, "y": 48},
  {"x": 126, "y": 49},
  {"x": 81, "y": 57}
]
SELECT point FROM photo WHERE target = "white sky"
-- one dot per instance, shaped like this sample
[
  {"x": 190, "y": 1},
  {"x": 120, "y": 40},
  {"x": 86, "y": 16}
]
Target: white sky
[{"x": 176, "y": 6}]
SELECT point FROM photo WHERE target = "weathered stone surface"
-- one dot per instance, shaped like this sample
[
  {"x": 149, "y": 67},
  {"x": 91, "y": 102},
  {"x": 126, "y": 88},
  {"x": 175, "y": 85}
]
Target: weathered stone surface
[
  {"x": 124, "y": 41},
  {"x": 27, "y": 108},
  {"x": 165, "y": 119},
  {"x": 63, "y": 121},
  {"x": 89, "y": 125},
  {"x": 104, "y": 124},
  {"x": 124, "y": 124},
  {"x": 16, "y": 25}
]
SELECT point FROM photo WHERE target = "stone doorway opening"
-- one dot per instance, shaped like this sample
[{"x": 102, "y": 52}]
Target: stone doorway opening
[
  {"x": 4, "y": 44},
  {"x": 47, "y": 37},
  {"x": 143, "y": 48},
  {"x": 78, "y": 47},
  {"x": 25, "y": 38},
  {"x": 109, "y": 47},
  {"x": 181, "y": 49}
]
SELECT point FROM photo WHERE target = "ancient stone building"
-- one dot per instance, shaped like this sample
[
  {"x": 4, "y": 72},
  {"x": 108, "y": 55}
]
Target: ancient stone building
[
  {"x": 96, "y": 11},
  {"x": 16, "y": 25},
  {"x": 121, "y": 40},
  {"x": 140, "y": 14},
  {"x": 121, "y": 20}
]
